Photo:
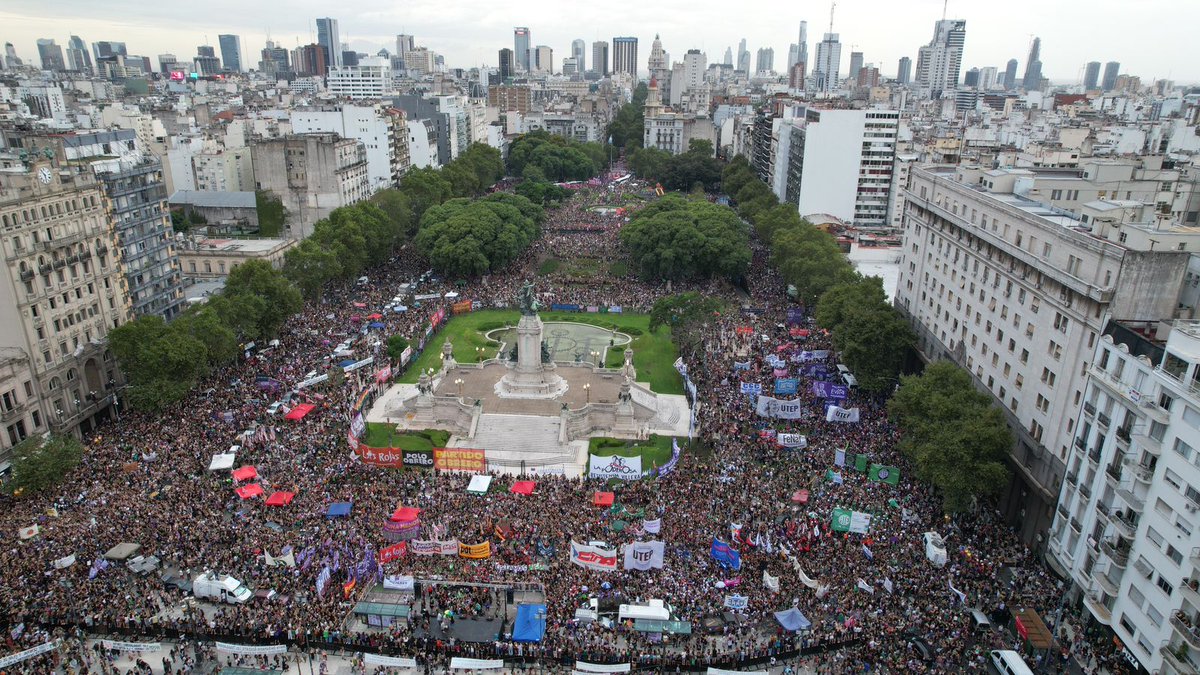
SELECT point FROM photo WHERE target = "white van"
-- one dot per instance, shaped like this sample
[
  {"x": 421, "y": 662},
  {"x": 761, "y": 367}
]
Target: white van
[
  {"x": 980, "y": 622},
  {"x": 363, "y": 281},
  {"x": 1008, "y": 662},
  {"x": 850, "y": 380},
  {"x": 655, "y": 609},
  {"x": 843, "y": 368}
]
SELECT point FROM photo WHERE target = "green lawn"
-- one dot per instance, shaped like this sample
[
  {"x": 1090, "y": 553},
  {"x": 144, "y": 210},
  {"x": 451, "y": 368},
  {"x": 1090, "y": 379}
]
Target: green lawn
[
  {"x": 654, "y": 452},
  {"x": 382, "y": 435},
  {"x": 653, "y": 353}
]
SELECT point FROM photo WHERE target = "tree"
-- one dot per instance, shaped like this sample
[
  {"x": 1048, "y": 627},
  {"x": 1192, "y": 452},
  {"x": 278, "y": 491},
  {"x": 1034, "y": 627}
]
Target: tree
[
  {"x": 650, "y": 163},
  {"x": 396, "y": 345},
  {"x": 470, "y": 238},
  {"x": 203, "y": 323},
  {"x": 874, "y": 343},
  {"x": 737, "y": 175},
  {"x": 162, "y": 361},
  {"x": 677, "y": 238},
  {"x": 257, "y": 283},
  {"x": 542, "y": 192},
  {"x": 628, "y": 125},
  {"x": 424, "y": 188},
  {"x": 310, "y": 266},
  {"x": 685, "y": 314},
  {"x": 39, "y": 463},
  {"x": 956, "y": 439},
  {"x": 811, "y": 260},
  {"x": 271, "y": 214},
  {"x": 837, "y": 302}
]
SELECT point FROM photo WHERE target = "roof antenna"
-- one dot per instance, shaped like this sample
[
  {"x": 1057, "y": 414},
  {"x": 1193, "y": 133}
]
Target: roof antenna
[
  {"x": 944, "y": 3},
  {"x": 832, "y": 6}
]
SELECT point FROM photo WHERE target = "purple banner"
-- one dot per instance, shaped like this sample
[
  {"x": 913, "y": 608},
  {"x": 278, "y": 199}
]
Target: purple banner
[
  {"x": 830, "y": 390},
  {"x": 795, "y": 316},
  {"x": 813, "y": 370}
]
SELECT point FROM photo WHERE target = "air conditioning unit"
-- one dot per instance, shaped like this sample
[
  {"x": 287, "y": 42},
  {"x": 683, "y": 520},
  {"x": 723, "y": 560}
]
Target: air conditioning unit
[{"x": 1191, "y": 508}]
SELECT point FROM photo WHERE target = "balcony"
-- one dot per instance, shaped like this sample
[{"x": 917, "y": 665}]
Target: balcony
[
  {"x": 1079, "y": 443},
  {"x": 1118, "y": 553},
  {"x": 1094, "y": 601},
  {"x": 1190, "y": 590},
  {"x": 1177, "y": 659},
  {"x": 1135, "y": 502},
  {"x": 1147, "y": 442},
  {"x": 1062, "y": 511},
  {"x": 1103, "y": 420},
  {"x": 1073, "y": 477},
  {"x": 1086, "y": 491},
  {"x": 1123, "y": 434},
  {"x": 1186, "y": 630},
  {"x": 1127, "y": 525},
  {"x": 1108, "y": 584},
  {"x": 1113, "y": 471},
  {"x": 1143, "y": 474},
  {"x": 1075, "y": 525},
  {"x": 1089, "y": 409},
  {"x": 1094, "y": 455}
]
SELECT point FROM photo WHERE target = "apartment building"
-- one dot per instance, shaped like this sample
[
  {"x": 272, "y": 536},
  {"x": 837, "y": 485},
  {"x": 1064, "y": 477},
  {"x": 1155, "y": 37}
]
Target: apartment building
[
  {"x": 370, "y": 79},
  {"x": 312, "y": 174},
  {"x": 1016, "y": 293},
  {"x": 382, "y": 130}
]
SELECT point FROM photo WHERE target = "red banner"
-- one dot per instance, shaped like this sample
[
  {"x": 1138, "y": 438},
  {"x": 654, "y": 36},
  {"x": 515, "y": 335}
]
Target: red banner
[
  {"x": 391, "y": 553},
  {"x": 744, "y": 330},
  {"x": 459, "y": 459},
  {"x": 1022, "y": 630},
  {"x": 461, "y": 307},
  {"x": 388, "y": 458}
]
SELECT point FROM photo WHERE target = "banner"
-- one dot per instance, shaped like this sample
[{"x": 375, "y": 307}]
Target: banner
[
  {"x": 602, "y": 667},
  {"x": 795, "y": 316},
  {"x": 394, "y": 552},
  {"x": 644, "y": 555},
  {"x": 737, "y": 601},
  {"x": 406, "y": 355},
  {"x": 886, "y": 474},
  {"x": 476, "y": 664},
  {"x": 460, "y": 459},
  {"x": 28, "y": 532},
  {"x": 652, "y": 526},
  {"x": 400, "y": 582},
  {"x": 845, "y": 520},
  {"x": 813, "y": 370},
  {"x": 28, "y": 653},
  {"x": 741, "y": 365},
  {"x": 745, "y": 330},
  {"x": 460, "y": 307},
  {"x": 593, "y": 557},
  {"x": 751, "y": 388},
  {"x": 386, "y": 458},
  {"x": 389, "y": 661},
  {"x": 251, "y": 650},
  {"x": 823, "y": 389},
  {"x": 419, "y": 459},
  {"x": 429, "y": 547},
  {"x": 288, "y": 560},
  {"x": 475, "y": 551},
  {"x": 786, "y": 385},
  {"x": 64, "y": 562},
  {"x": 724, "y": 555},
  {"x": 838, "y": 414},
  {"x": 114, "y": 645},
  {"x": 625, "y": 468},
  {"x": 775, "y": 408},
  {"x": 357, "y": 425},
  {"x": 792, "y": 440},
  {"x": 771, "y": 583}
]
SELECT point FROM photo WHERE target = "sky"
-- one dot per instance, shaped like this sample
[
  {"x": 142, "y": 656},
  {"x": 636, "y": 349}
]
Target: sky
[{"x": 1150, "y": 38}]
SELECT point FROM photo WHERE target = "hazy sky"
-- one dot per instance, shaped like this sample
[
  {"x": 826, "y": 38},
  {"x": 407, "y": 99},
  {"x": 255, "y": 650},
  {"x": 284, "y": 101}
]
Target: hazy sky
[{"x": 1150, "y": 38}]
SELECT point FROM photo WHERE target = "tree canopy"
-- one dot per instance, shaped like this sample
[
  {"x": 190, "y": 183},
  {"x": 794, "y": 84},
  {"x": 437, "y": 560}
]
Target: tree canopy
[
  {"x": 542, "y": 192},
  {"x": 955, "y": 437},
  {"x": 628, "y": 125},
  {"x": 40, "y": 462},
  {"x": 540, "y": 155},
  {"x": 685, "y": 314},
  {"x": 468, "y": 238},
  {"x": 683, "y": 172},
  {"x": 678, "y": 238}
]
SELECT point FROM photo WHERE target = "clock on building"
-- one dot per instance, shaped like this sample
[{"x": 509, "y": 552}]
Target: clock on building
[{"x": 44, "y": 175}]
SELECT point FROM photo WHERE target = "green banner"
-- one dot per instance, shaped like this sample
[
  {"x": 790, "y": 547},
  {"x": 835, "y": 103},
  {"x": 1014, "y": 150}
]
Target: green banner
[
  {"x": 841, "y": 520},
  {"x": 887, "y": 474},
  {"x": 860, "y": 463}
]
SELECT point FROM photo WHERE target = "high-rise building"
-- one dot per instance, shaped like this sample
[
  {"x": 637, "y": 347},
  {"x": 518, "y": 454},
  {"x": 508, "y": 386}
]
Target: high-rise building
[
  {"x": 521, "y": 45},
  {"x": 939, "y": 62},
  {"x": 11, "y": 60},
  {"x": 625, "y": 56},
  {"x": 382, "y": 129},
  {"x": 578, "y": 48},
  {"x": 231, "y": 52},
  {"x": 1010, "y": 75},
  {"x": 659, "y": 63},
  {"x": 274, "y": 60},
  {"x": 543, "y": 60},
  {"x": 796, "y": 76},
  {"x": 309, "y": 60},
  {"x": 312, "y": 174},
  {"x": 206, "y": 50},
  {"x": 167, "y": 63},
  {"x": 600, "y": 57},
  {"x": 51, "y": 55},
  {"x": 371, "y": 78},
  {"x": 404, "y": 43},
  {"x": 829, "y": 59},
  {"x": 330, "y": 41},
  {"x": 1033, "y": 67},
  {"x": 78, "y": 57},
  {"x": 108, "y": 51},
  {"x": 206, "y": 60},
  {"x": 802, "y": 46},
  {"x": 971, "y": 79},
  {"x": 1091, "y": 76},
  {"x": 728, "y": 56},
  {"x": 506, "y": 63},
  {"x": 743, "y": 62},
  {"x": 856, "y": 64},
  {"x": 987, "y": 78},
  {"x": 904, "y": 70},
  {"x": 766, "y": 61},
  {"x": 1111, "y": 70}
]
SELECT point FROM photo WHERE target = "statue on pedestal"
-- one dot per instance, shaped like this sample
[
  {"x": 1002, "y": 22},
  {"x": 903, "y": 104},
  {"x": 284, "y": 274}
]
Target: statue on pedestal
[
  {"x": 527, "y": 300},
  {"x": 627, "y": 369},
  {"x": 448, "y": 361}
]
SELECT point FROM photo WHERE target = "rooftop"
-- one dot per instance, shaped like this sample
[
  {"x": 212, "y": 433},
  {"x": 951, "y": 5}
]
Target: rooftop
[
  {"x": 213, "y": 199},
  {"x": 251, "y": 246}
]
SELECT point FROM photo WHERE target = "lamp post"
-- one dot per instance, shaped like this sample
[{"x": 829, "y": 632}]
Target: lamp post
[
  {"x": 479, "y": 353},
  {"x": 587, "y": 390},
  {"x": 595, "y": 357},
  {"x": 459, "y": 382}
]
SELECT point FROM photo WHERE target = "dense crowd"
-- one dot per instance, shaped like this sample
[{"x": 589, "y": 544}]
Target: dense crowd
[{"x": 144, "y": 479}]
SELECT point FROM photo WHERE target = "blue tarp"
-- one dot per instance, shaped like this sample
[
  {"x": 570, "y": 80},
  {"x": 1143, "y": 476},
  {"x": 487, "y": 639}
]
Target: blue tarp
[
  {"x": 793, "y": 619},
  {"x": 375, "y": 325},
  {"x": 338, "y": 510},
  {"x": 530, "y": 625},
  {"x": 347, "y": 362}
]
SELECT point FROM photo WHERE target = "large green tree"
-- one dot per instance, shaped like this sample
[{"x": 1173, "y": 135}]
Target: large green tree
[
  {"x": 39, "y": 462},
  {"x": 264, "y": 288},
  {"x": 310, "y": 266},
  {"x": 554, "y": 158},
  {"x": 465, "y": 238},
  {"x": 955, "y": 437},
  {"x": 811, "y": 260},
  {"x": 628, "y": 125},
  {"x": 678, "y": 238},
  {"x": 686, "y": 314}
]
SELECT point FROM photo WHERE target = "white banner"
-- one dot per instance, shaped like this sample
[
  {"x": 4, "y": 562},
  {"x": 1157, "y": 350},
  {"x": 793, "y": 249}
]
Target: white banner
[
  {"x": 718, "y": 671},
  {"x": 602, "y": 667},
  {"x": 288, "y": 560},
  {"x": 389, "y": 661},
  {"x": 644, "y": 555},
  {"x": 64, "y": 562},
  {"x": 838, "y": 414},
  {"x": 476, "y": 664},
  {"x": 28, "y": 653},
  {"x": 431, "y": 547},
  {"x": 772, "y": 583},
  {"x": 792, "y": 440},
  {"x": 860, "y": 523},
  {"x": 804, "y": 578},
  {"x": 652, "y": 526},
  {"x": 131, "y": 646},
  {"x": 625, "y": 468},
  {"x": 251, "y": 650},
  {"x": 594, "y": 557},
  {"x": 775, "y": 408},
  {"x": 399, "y": 582},
  {"x": 737, "y": 601},
  {"x": 28, "y": 532}
]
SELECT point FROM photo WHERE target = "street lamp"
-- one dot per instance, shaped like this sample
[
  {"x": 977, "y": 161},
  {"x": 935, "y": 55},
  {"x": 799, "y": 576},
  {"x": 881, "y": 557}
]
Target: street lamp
[
  {"x": 595, "y": 356},
  {"x": 587, "y": 390},
  {"x": 479, "y": 353},
  {"x": 459, "y": 382}
]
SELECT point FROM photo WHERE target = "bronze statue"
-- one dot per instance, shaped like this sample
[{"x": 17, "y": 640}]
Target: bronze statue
[{"x": 527, "y": 300}]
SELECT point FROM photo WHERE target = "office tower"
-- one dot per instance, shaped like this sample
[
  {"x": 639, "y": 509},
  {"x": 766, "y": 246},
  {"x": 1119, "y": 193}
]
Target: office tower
[
  {"x": 327, "y": 37},
  {"x": 578, "y": 48},
  {"x": 856, "y": 64},
  {"x": 309, "y": 60},
  {"x": 10, "y": 56},
  {"x": 231, "y": 52},
  {"x": 544, "y": 60},
  {"x": 370, "y": 77},
  {"x": 793, "y": 55},
  {"x": 625, "y": 58},
  {"x": 829, "y": 59},
  {"x": 1091, "y": 75},
  {"x": 1033, "y": 67},
  {"x": 274, "y": 60},
  {"x": 506, "y": 63},
  {"x": 987, "y": 78},
  {"x": 1010, "y": 74},
  {"x": 728, "y": 56},
  {"x": 50, "y": 54},
  {"x": 521, "y": 39},
  {"x": 766, "y": 61},
  {"x": 404, "y": 43},
  {"x": 796, "y": 76},
  {"x": 904, "y": 70},
  {"x": 938, "y": 63},
  {"x": 78, "y": 57},
  {"x": 743, "y": 62},
  {"x": 971, "y": 79},
  {"x": 206, "y": 50},
  {"x": 1111, "y": 70},
  {"x": 167, "y": 63},
  {"x": 802, "y": 54},
  {"x": 108, "y": 51},
  {"x": 600, "y": 57},
  {"x": 206, "y": 60},
  {"x": 569, "y": 66}
]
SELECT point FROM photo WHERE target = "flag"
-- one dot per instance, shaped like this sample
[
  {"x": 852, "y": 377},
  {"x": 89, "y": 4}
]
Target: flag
[
  {"x": 348, "y": 588},
  {"x": 724, "y": 555},
  {"x": 98, "y": 566},
  {"x": 860, "y": 462},
  {"x": 323, "y": 581},
  {"x": 772, "y": 583},
  {"x": 862, "y": 585},
  {"x": 839, "y": 457},
  {"x": 867, "y": 552},
  {"x": 887, "y": 584},
  {"x": 886, "y": 474},
  {"x": 833, "y": 476},
  {"x": 962, "y": 597},
  {"x": 652, "y": 526}
]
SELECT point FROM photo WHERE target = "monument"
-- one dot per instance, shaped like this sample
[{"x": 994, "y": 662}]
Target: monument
[{"x": 532, "y": 375}]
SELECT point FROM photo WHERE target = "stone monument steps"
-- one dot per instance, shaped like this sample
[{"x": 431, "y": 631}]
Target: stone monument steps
[{"x": 513, "y": 435}]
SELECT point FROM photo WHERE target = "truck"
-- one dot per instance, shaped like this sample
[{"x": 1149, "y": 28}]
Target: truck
[{"x": 220, "y": 588}]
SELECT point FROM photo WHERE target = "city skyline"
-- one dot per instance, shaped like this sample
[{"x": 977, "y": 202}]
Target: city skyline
[{"x": 469, "y": 34}]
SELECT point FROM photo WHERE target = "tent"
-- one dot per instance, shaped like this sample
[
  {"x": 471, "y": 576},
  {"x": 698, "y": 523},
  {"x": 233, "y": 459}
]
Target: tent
[
  {"x": 405, "y": 514},
  {"x": 800, "y": 496},
  {"x": 479, "y": 484},
  {"x": 530, "y": 625},
  {"x": 793, "y": 619},
  {"x": 248, "y": 491},
  {"x": 375, "y": 317},
  {"x": 245, "y": 473},
  {"x": 222, "y": 462},
  {"x": 522, "y": 487},
  {"x": 300, "y": 411},
  {"x": 339, "y": 510},
  {"x": 603, "y": 499},
  {"x": 280, "y": 498},
  {"x": 122, "y": 551},
  {"x": 360, "y": 305},
  {"x": 375, "y": 325}
]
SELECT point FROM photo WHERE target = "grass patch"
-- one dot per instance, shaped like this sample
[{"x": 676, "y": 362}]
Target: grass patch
[
  {"x": 653, "y": 353},
  {"x": 548, "y": 266},
  {"x": 382, "y": 435},
  {"x": 654, "y": 452},
  {"x": 619, "y": 269}
]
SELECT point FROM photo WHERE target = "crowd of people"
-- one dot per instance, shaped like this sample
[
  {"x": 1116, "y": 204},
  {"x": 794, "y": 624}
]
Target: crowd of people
[{"x": 145, "y": 479}]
